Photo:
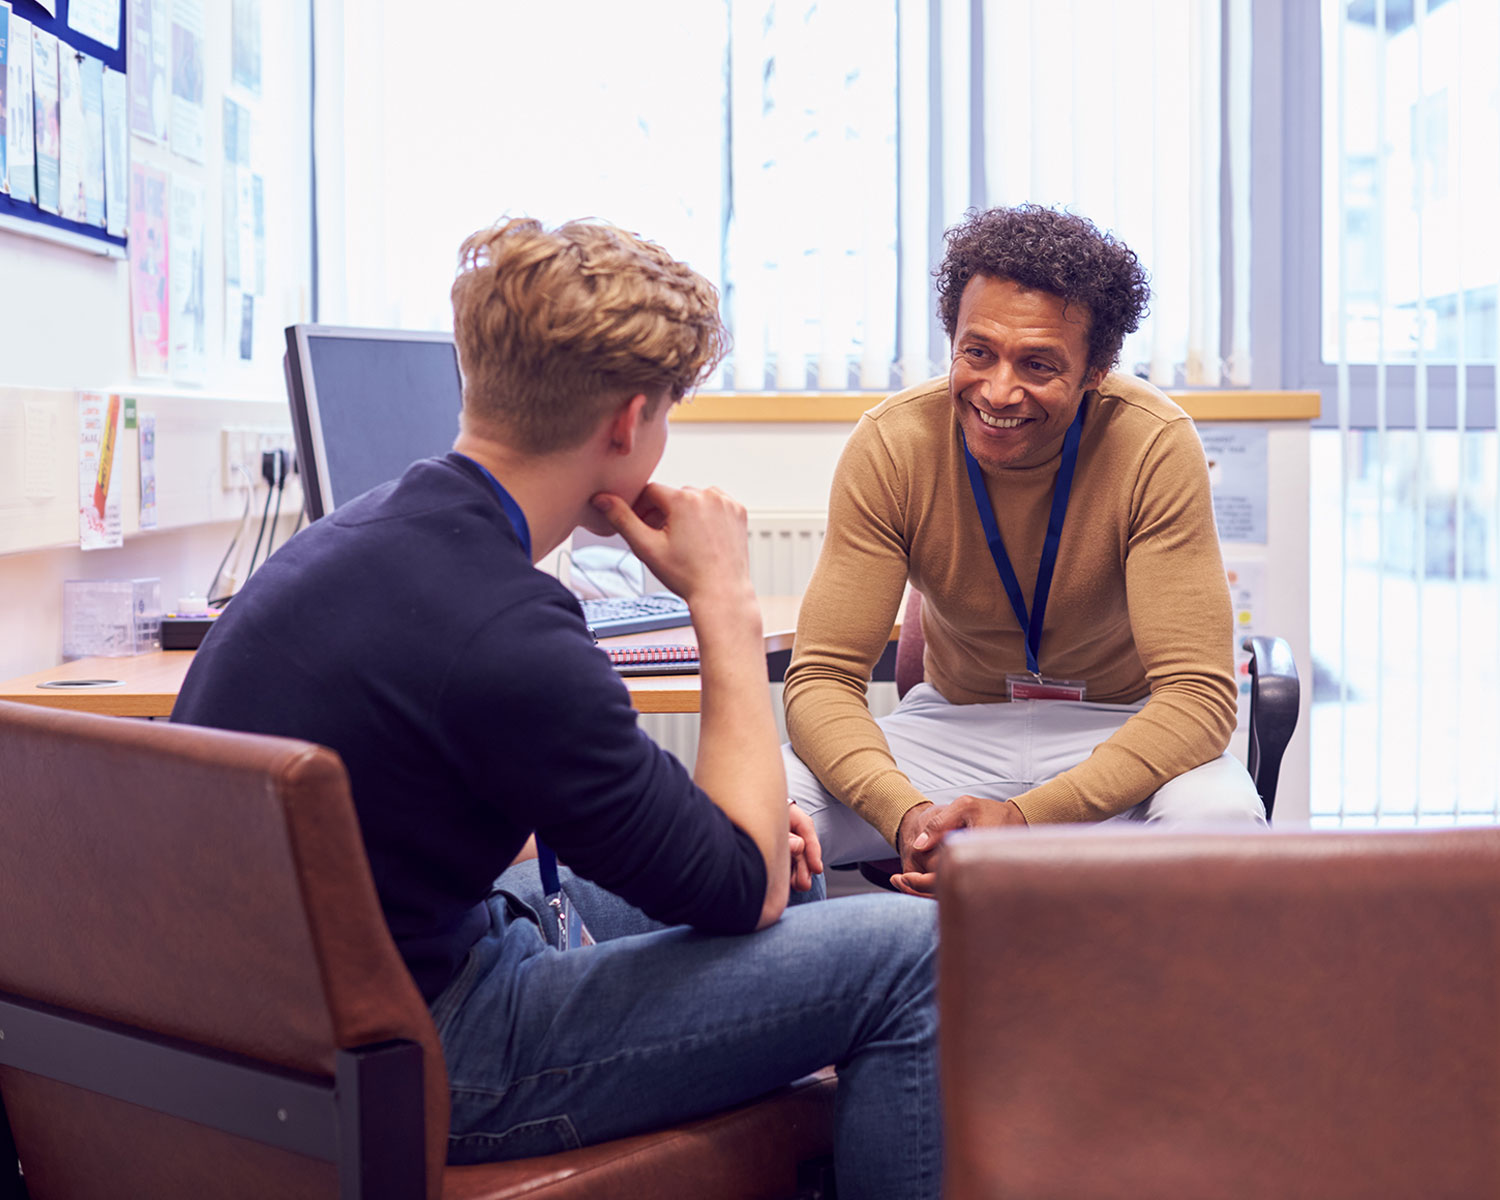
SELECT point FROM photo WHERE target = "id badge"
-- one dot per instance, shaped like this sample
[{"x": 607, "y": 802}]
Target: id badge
[
  {"x": 1022, "y": 686},
  {"x": 572, "y": 933}
]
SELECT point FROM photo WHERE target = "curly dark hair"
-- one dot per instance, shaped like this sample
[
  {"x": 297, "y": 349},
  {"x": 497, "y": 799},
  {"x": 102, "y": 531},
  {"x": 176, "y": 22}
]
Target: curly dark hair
[{"x": 1050, "y": 251}]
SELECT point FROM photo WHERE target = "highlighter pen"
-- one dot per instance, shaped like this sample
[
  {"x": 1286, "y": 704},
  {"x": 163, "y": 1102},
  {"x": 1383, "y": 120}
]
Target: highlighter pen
[{"x": 106, "y": 456}]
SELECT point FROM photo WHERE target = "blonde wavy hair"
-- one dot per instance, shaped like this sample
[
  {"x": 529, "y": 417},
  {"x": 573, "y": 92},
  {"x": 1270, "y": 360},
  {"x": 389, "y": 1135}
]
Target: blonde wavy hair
[{"x": 555, "y": 327}]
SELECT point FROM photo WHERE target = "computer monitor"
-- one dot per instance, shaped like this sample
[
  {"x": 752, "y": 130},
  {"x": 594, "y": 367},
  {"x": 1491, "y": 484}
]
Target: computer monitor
[{"x": 366, "y": 404}]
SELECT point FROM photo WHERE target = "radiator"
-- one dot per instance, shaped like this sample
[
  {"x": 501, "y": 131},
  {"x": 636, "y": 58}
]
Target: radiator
[{"x": 783, "y": 551}]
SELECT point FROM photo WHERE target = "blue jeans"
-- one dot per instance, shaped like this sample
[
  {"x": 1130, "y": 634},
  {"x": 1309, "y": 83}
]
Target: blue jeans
[{"x": 549, "y": 1050}]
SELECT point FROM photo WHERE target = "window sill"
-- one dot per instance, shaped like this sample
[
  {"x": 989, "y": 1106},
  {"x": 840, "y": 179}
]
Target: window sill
[{"x": 846, "y": 407}]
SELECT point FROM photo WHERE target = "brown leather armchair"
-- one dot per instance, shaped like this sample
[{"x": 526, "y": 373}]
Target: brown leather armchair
[
  {"x": 199, "y": 996},
  {"x": 1238, "y": 1015}
]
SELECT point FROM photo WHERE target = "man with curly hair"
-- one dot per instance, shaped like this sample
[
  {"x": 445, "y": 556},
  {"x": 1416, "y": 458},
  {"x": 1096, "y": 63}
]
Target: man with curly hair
[
  {"x": 410, "y": 631},
  {"x": 1055, "y": 517}
]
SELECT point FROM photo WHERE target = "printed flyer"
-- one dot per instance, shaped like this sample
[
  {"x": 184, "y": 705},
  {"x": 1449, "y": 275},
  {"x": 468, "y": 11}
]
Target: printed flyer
[
  {"x": 20, "y": 113},
  {"x": 44, "y": 82},
  {"x": 150, "y": 40},
  {"x": 99, "y": 524},
  {"x": 148, "y": 270},
  {"x": 189, "y": 124},
  {"x": 4, "y": 80},
  {"x": 189, "y": 340}
]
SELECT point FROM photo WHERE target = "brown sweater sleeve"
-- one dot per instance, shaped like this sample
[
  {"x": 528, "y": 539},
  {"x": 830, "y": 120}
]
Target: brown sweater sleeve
[
  {"x": 1182, "y": 625},
  {"x": 844, "y": 625}
]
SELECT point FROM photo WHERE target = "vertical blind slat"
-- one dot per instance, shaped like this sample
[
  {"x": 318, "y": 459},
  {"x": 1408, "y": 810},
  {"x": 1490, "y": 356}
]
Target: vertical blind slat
[
  {"x": 1419, "y": 154},
  {"x": 1341, "y": 159},
  {"x": 1381, "y": 440}
]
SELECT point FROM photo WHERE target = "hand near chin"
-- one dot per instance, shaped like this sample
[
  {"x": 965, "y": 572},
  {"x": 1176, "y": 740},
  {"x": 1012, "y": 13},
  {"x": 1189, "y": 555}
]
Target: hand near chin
[
  {"x": 924, "y": 828},
  {"x": 692, "y": 539}
]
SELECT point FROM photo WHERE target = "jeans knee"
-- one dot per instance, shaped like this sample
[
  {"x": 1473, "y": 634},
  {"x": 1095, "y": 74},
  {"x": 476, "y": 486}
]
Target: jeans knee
[{"x": 899, "y": 932}]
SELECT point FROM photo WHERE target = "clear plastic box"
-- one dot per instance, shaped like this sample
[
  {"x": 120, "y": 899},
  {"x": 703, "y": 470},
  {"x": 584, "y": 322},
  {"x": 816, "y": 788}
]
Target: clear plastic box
[{"x": 111, "y": 617}]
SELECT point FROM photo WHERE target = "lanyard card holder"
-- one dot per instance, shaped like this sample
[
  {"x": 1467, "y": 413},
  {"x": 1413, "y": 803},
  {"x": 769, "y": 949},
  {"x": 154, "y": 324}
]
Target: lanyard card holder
[
  {"x": 1021, "y": 686},
  {"x": 572, "y": 933}
]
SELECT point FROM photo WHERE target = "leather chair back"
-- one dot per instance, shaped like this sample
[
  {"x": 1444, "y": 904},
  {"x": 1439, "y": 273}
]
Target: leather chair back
[
  {"x": 1237, "y": 1015},
  {"x": 205, "y": 885}
]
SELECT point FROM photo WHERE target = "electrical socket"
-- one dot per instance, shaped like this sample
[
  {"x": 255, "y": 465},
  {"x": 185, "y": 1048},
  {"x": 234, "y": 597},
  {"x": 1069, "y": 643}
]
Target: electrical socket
[{"x": 242, "y": 445}]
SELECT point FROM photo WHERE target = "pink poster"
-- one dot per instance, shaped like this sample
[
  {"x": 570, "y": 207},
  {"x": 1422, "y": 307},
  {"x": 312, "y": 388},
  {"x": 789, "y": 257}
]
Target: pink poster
[{"x": 148, "y": 269}]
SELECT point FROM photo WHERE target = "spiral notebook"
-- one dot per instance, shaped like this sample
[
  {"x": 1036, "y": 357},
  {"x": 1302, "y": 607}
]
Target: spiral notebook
[{"x": 653, "y": 660}]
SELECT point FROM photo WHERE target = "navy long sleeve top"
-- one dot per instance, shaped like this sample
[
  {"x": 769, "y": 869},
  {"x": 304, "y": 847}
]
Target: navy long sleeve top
[{"x": 409, "y": 632}]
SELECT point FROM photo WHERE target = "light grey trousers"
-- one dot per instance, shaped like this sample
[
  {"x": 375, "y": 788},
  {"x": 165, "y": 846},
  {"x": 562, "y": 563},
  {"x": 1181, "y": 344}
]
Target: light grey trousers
[{"x": 1001, "y": 750}]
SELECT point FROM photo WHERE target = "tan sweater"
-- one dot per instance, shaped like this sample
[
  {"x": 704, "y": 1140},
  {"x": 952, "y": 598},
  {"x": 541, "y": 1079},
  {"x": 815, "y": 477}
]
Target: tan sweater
[{"x": 1139, "y": 602}]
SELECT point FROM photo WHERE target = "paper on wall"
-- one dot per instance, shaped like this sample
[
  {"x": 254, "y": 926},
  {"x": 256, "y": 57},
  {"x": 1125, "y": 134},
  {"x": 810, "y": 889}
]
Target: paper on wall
[
  {"x": 44, "y": 83},
  {"x": 72, "y": 134},
  {"x": 150, "y": 315},
  {"x": 189, "y": 127},
  {"x": 91, "y": 79},
  {"x": 244, "y": 45},
  {"x": 116, "y": 155},
  {"x": 150, "y": 42},
  {"x": 97, "y": 19},
  {"x": 1238, "y": 475},
  {"x": 146, "y": 425},
  {"x": 99, "y": 524},
  {"x": 258, "y": 209},
  {"x": 20, "y": 113},
  {"x": 189, "y": 311},
  {"x": 4, "y": 81},
  {"x": 40, "y": 438}
]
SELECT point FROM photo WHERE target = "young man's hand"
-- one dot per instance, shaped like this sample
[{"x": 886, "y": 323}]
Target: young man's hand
[
  {"x": 807, "y": 851},
  {"x": 695, "y": 540}
]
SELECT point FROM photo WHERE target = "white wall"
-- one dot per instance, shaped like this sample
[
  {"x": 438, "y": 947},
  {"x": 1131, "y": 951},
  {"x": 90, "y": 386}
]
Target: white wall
[{"x": 65, "y": 326}]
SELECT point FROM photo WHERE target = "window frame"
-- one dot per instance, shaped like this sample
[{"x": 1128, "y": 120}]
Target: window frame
[{"x": 1288, "y": 42}]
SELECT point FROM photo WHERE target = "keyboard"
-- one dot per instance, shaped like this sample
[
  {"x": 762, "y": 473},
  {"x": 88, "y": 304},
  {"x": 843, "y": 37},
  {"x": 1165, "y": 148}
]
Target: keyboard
[{"x": 613, "y": 616}]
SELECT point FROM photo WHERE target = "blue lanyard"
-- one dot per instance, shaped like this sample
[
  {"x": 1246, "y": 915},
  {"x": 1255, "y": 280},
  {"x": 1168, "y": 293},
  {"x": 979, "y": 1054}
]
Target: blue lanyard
[
  {"x": 546, "y": 859},
  {"x": 513, "y": 511},
  {"x": 1032, "y": 626}
]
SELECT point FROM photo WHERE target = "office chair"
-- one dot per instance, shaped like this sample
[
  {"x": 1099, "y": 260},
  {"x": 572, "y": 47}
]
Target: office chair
[
  {"x": 199, "y": 997},
  {"x": 1275, "y": 696},
  {"x": 1236, "y": 1015}
]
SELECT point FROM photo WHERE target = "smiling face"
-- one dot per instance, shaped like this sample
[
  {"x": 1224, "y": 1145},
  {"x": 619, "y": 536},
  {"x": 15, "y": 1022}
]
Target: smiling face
[{"x": 1019, "y": 372}]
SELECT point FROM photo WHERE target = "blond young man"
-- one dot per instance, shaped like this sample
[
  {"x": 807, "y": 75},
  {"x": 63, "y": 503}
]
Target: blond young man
[{"x": 410, "y": 631}]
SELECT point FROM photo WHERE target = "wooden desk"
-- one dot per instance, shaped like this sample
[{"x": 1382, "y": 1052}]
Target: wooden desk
[{"x": 146, "y": 685}]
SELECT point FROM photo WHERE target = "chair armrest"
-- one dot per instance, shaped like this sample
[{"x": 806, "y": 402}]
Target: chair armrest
[{"x": 1275, "y": 696}]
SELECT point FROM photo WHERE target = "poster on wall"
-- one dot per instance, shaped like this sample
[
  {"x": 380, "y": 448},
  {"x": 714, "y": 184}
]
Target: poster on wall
[
  {"x": 244, "y": 47},
  {"x": 20, "y": 113},
  {"x": 116, "y": 155},
  {"x": 189, "y": 127},
  {"x": 72, "y": 135},
  {"x": 99, "y": 525},
  {"x": 97, "y": 19},
  {"x": 44, "y": 83},
  {"x": 150, "y": 42},
  {"x": 189, "y": 354},
  {"x": 91, "y": 79},
  {"x": 146, "y": 424},
  {"x": 1238, "y": 476},
  {"x": 150, "y": 326},
  {"x": 4, "y": 77}
]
